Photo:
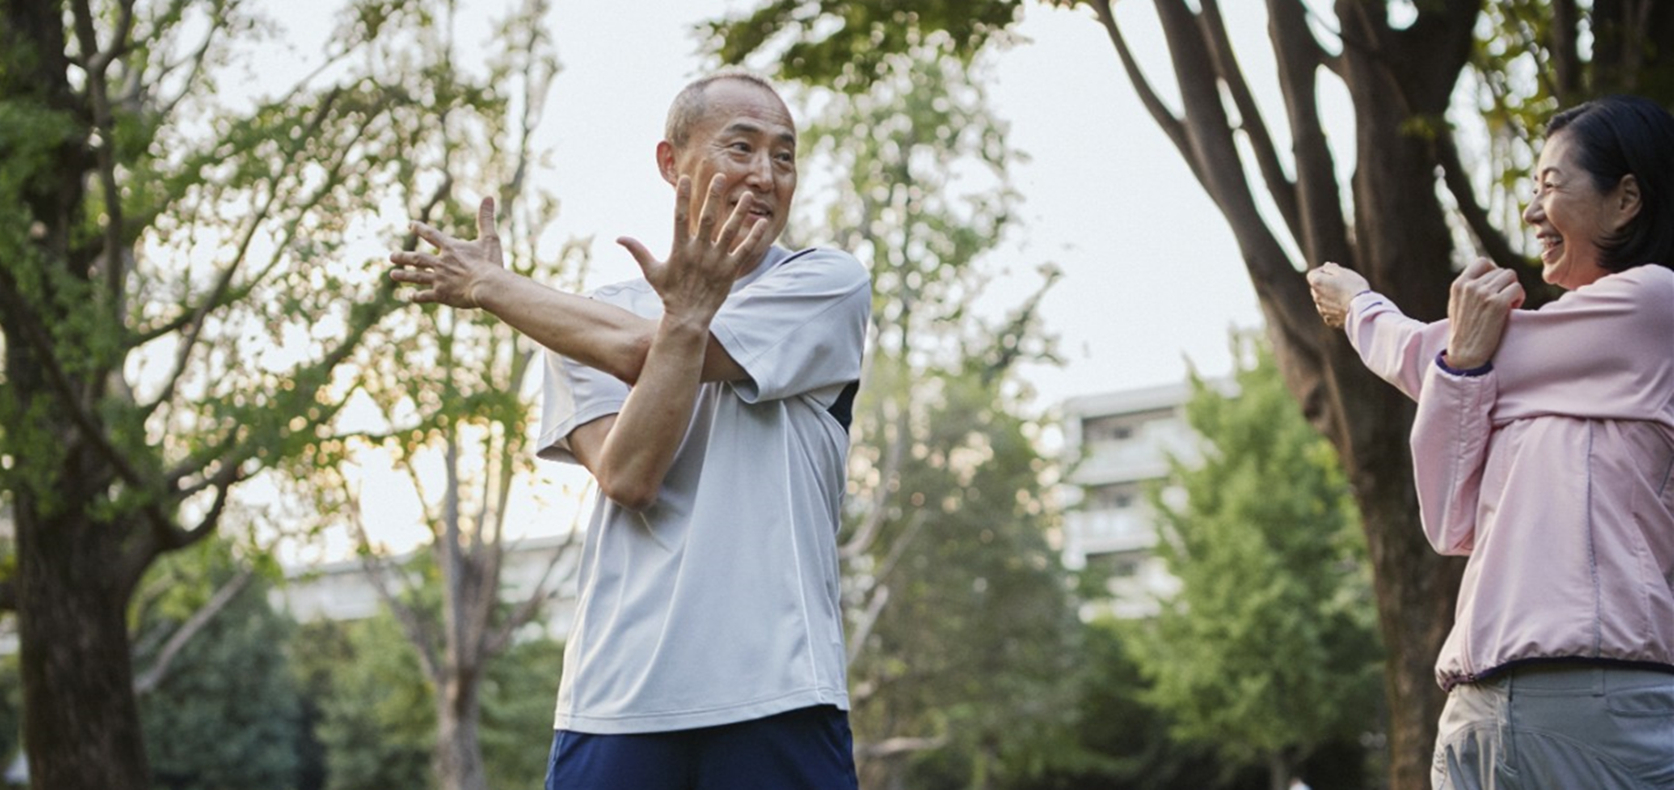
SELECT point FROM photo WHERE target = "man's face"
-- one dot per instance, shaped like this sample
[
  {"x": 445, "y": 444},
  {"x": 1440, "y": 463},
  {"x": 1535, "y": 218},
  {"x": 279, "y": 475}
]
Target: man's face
[{"x": 747, "y": 136}]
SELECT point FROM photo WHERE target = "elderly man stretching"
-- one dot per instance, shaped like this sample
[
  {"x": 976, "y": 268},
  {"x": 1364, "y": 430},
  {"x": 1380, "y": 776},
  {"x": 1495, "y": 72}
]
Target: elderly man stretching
[{"x": 711, "y": 401}]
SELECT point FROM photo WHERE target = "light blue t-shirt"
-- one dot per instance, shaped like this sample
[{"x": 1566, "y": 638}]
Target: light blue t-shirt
[{"x": 720, "y": 603}]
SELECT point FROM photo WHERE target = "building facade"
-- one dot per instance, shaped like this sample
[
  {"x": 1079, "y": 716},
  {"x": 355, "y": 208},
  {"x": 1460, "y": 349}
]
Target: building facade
[{"x": 1117, "y": 446}]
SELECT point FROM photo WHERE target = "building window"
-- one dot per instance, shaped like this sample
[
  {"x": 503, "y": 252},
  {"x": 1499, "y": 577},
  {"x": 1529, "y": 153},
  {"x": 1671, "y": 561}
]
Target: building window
[
  {"x": 1106, "y": 429},
  {"x": 1110, "y": 497}
]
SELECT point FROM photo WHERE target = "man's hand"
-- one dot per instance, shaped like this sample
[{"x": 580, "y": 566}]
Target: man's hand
[
  {"x": 702, "y": 267},
  {"x": 453, "y": 275},
  {"x": 1333, "y": 288},
  {"x": 1478, "y": 305}
]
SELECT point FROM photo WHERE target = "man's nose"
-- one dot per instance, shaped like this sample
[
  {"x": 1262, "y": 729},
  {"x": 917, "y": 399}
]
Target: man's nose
[{"x": 761, "y": 170}]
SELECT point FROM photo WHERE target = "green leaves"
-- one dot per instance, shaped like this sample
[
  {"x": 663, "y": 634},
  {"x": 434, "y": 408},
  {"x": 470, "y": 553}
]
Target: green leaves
[
  {"x": 847, "y": 44},
  {"x": 1268, "y": 649}
]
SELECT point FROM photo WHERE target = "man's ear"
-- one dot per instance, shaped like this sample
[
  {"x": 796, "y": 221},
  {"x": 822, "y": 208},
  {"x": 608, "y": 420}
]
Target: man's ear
[
  {"x": 665, "y": 162},
  {"x": 1626, "y": 201}
]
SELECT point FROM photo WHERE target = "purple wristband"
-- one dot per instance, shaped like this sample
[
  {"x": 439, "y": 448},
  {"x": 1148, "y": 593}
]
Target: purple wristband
[{"x": 1441, "y": 362}]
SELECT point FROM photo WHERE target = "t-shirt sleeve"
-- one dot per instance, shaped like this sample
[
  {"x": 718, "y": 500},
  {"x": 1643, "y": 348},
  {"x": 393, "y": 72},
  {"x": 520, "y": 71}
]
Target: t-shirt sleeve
[
  {"x": 801, "y": 327},
  {"x": 573, "y": 394}
]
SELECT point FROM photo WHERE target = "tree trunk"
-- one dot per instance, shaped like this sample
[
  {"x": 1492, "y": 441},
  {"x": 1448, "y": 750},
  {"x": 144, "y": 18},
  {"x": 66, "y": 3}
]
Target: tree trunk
[
  {"x": 81, "y": 726},
  {"x": 458, "y": 755}
]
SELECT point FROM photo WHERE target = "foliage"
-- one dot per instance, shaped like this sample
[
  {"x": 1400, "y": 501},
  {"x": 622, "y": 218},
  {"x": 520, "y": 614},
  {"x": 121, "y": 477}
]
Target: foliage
[
  {"x": 11, "y": 709},
  {"x": 1269, "y": 649},
  {"x": 843, "y": 43},
  {"x": 182, "y": 285},
  {"x": 1123, "y": 741},
  {"x": 226, "y": 715},
  {"x": 517, "y": 705},
  {"x": 375, "y": 719}
]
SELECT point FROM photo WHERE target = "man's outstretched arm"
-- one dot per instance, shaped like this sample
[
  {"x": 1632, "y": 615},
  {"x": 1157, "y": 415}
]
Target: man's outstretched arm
[{"x": 471, "y": 274}]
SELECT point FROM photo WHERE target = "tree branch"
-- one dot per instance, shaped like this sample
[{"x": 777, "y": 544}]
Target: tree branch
[
  {"x": 890, "y": 747},
  {"x": 530, "y": 607},
  {"x": 8, "y": 596},
  {"x": 374, "y": 568},
  {"x": 1492, "y": 242},
  {"x": 1276, "y": 279},
  {"x": 1278, "y": 184},
  {"x": 866, "y": 620},
  {"x": 97, "y": 61},
  {"x": 1566, "y": 56},
  {"x": 194, "y": 322},
  {"x": 148, "y": 682},
  {"x": 1324, "y": 234},
  {"x": 877, "y": 514},
  {"x": 1171, "y": 125}
]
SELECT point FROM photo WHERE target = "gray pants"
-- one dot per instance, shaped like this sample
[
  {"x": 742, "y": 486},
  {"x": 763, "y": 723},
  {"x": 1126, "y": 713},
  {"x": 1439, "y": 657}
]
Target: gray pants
[{"x": 1558, "y": 728}]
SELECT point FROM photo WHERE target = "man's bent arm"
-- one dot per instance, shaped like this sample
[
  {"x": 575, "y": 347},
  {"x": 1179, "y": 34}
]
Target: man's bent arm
[{"x": 630, "y": 452}]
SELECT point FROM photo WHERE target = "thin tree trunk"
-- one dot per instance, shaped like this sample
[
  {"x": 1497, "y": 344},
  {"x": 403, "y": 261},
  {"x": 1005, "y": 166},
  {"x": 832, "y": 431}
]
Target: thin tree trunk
[{"x": 458, "y": 756}]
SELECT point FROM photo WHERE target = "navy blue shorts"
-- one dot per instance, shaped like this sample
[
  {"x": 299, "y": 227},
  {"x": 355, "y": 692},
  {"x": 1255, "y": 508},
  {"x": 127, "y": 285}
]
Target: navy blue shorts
[{"x": 806, "y": 749}]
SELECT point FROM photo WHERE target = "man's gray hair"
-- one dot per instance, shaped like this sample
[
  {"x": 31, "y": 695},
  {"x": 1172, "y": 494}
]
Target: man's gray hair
[{"x": 689, "y": 105}]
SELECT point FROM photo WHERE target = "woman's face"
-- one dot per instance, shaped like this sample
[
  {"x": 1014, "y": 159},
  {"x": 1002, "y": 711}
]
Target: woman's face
[{"x": 1570, "y": 216}]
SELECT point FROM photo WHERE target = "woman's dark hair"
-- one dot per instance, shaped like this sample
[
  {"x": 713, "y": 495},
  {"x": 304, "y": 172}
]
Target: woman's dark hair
[{"x": 1627, "y": 135}]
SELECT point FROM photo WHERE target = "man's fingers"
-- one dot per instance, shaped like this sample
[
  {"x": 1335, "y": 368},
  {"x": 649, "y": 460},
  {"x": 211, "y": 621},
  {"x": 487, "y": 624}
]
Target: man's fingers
[
  {"x": 647, "y": 262},
  {"x": 754, "y": 244},
  {"x": 486, "y": 232},
  {"x": 710, "y": 213},
  {"x": 417, "y": 260},
  {"x": 682, "y": 210},
  {"x": 432, "y": 235},
  {"x": 735, "y": 222}
]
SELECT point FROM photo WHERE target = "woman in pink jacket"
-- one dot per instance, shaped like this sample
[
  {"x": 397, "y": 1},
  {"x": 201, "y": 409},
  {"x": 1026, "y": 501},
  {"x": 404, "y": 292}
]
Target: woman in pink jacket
[{"x": 1543, "y": 451}]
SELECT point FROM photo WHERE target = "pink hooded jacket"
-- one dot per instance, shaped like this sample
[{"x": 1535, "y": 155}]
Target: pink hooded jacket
[{"x": 1553, "y": 472}]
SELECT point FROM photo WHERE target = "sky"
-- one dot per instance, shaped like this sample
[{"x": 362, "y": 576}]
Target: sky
[{"x": 1152, "y": 279}]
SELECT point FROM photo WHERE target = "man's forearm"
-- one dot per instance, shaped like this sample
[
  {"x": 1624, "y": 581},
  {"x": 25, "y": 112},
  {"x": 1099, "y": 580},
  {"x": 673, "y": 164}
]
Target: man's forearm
[
  {"x": 595, "y": 334},
  {"x": 590, "y": 332},
  {"x": 647, "y": 432}
]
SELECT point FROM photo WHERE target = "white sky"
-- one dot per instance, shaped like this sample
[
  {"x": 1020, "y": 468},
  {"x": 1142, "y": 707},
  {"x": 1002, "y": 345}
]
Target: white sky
[{"x": 1152, "y": 277}]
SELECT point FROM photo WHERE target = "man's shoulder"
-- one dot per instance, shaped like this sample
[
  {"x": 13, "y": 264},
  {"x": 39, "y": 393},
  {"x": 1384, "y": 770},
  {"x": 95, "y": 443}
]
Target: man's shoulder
[{"x": 830, "y": 260}]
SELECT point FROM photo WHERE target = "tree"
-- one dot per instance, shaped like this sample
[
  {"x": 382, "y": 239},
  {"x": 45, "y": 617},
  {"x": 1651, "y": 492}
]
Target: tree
[
  {"x": 1124, "y": 741},
  {"x": 449, "y": 392},
  {"x": 1400, "y": 63},
  {"x": 372, "y": 711},
  {"x": 959, "y": 621},
  {"x": 226, "y": 715},
  {"x": 1269, "y": 648},
  {"x": 174, "y": 307}
]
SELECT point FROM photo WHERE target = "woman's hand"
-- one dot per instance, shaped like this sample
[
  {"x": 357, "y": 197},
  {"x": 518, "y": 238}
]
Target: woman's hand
[
  {"x": 1333, "y": 288},
  {"x": 1478, "y": 306}
]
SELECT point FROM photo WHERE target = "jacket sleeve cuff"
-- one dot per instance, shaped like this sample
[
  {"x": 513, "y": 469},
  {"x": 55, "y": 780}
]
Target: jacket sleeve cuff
[{"x": 1476, "y": 371}]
